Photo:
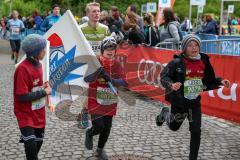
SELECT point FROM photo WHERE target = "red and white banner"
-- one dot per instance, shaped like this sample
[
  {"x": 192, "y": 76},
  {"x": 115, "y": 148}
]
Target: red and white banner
[{"x": 143, "y": 66}]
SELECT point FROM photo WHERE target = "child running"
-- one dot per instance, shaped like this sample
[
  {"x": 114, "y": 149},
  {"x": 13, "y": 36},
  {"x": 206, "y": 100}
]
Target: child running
[
  {"x": 185, "y": 78},
  {"x": 102, "y": 102}
]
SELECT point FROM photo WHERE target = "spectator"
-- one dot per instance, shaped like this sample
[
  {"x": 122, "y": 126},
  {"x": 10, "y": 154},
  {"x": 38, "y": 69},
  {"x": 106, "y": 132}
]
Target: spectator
[
  {"x": 169, "y": 33},
  {"x": 3, "y": 32},
  {"x": 118, "y": 22},
  {"x": 29, "y": 22},
  {"x": 103, "y": 17},
  {"x": 186, "y": 25},
  {"x": 133, "y": 9},
  {"x": 51, "y": 19},
  {"x": 132, "y": 30},
  {"x": 199, "y": 25},
  {"x": 37, "y": 20},
  {"x": 150, "y": 32},
  {"x": 211, "y": 26},
  {"x": 234, "y": 21}
]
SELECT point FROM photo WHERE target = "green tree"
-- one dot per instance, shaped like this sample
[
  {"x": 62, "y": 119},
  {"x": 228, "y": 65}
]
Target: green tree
[{"x": 181, "y": 7}]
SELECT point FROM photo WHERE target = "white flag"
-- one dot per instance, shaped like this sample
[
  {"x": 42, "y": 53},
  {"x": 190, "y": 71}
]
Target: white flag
[{"x": 70, "y": 59}]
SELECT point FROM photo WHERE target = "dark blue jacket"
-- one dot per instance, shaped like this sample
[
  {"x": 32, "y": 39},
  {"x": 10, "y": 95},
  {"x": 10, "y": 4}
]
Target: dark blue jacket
[
  {"x": 211, "y": 27},
  {"x": 38, "y": 21}
]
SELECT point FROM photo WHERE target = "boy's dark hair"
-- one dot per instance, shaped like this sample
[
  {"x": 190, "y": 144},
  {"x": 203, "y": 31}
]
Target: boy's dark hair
[{"x": 55, "y": 5}]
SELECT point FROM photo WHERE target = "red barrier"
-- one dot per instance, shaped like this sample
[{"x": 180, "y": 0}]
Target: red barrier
[{"x": 143, "y": 66}]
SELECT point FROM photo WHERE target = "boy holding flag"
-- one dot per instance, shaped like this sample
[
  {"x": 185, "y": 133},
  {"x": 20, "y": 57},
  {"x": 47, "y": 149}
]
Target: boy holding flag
[
  {"x": 102, "y": 102},
  {"x": 29, "y": 95}
]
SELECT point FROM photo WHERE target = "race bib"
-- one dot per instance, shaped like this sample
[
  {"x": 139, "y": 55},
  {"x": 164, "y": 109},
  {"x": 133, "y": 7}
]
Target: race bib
[
  {"x": 105, "y": 96},
  {"x": 15, "y": 30},
  {"x": 40, "y": 103},
  {"x": 192, "y": 88},
  {"x": 95, "y": 46}
]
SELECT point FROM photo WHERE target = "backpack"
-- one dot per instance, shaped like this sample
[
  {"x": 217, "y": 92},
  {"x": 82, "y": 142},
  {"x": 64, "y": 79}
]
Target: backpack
[
  {"x": 153, "y": 33},
  {"x": 179, "y": 31}
]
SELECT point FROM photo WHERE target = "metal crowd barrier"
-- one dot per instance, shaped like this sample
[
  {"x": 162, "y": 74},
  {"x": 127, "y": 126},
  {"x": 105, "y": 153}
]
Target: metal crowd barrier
[
  {"x": 228, "y": 46},
  {"x": 222, "y": 46},
  {"x": 217, "y": 46},
  {"x": 169, "y": 45}
]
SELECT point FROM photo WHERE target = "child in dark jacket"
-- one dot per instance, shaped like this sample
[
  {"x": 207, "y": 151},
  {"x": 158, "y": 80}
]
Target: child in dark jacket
[
  {"x": 185, "y": 78},
  {"x": 102, "y": 102},
  {"x": 29, "y": 95}
]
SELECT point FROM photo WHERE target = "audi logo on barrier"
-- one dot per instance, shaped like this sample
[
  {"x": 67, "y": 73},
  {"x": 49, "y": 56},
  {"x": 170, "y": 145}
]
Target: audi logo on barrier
[{"x": 149, "y": 72}]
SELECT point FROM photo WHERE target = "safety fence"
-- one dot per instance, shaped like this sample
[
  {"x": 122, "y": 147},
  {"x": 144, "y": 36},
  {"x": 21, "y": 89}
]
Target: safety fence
[
  {"x": 211, "y": 44},
  {"x": 214, "y": 46}
]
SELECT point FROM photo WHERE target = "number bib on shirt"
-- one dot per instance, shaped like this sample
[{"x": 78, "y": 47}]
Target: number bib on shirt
[
  {"x": 40, "y": 103},
  {"x": 15, "y": 30},
  {"x": 95, "y": 46},
  {"x": 105, "y": 96},
  {"x": 192, "y": 88}
]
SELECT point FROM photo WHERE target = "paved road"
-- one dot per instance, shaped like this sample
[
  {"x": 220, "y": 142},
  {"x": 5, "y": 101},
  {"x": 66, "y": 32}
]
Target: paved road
[{"x": 134, "y": 130}]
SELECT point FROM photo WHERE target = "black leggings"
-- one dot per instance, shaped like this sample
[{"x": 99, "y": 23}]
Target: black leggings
[
  {"x": 32, "y": 139},
  {"x": 194, "y": 115},
  {"x": 101, "y": 125},
  {"x": 15, "y": 45}
]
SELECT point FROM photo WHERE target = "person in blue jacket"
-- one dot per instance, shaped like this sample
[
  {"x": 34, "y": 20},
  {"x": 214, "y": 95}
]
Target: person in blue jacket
[
  {"x": 37, "y": 20},
  {"x": 211, "y": 26},
  {"x": 51, "y": 19}
]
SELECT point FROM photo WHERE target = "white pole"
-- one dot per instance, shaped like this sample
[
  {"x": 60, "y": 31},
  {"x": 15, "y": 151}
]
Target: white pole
[
  {"x": 221, "y": 18},
  {"x": 190, "y": 15},
  {"x": 197, "y": 17}
]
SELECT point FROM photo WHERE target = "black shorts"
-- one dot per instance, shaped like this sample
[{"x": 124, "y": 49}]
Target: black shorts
[
  {"x": 15, "y": 45},
  {"x": 31, "y": 133}
]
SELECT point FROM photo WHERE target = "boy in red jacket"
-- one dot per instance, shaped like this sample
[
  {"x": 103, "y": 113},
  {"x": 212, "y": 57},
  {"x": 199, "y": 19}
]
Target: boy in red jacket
[
  {"x": 29, "y": 95},
  {"x": 102, "y": 102}
]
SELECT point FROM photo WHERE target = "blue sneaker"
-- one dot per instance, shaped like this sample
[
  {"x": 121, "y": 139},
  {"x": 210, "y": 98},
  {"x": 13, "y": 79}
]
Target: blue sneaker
[{"x": 84, "y": 119}]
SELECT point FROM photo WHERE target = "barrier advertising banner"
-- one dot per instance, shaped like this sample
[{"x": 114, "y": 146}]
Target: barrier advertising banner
[{"x": 143, "y": 66}]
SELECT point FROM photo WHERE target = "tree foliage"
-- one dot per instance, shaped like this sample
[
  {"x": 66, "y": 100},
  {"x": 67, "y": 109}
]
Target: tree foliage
[{"x": 181, "y": 7}]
